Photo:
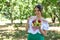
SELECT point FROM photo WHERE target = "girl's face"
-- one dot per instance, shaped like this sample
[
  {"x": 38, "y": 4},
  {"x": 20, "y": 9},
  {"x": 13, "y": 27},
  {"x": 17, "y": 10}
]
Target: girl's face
[{"x": 37, "y": 12}]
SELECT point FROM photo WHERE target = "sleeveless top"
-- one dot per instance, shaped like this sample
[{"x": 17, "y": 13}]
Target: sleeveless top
[{"x": 44, "y": 25}]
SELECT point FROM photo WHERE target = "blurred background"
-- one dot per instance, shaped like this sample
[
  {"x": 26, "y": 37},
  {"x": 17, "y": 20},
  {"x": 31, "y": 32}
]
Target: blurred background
[{"x": 14, "y": 14}]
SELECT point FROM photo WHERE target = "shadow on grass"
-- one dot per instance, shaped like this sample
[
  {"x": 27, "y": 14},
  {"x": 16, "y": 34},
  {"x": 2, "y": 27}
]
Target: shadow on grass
[{"x": 18, "y": 34}]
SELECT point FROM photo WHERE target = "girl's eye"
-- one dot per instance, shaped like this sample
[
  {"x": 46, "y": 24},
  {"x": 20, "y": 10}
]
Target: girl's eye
[{"x": 36, "y": 10}]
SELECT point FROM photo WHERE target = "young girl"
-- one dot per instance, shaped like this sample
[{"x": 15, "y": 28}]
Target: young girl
[{"x": 37, "y": 32}]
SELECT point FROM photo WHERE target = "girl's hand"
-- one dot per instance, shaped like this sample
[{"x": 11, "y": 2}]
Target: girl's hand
[{"x": 44, "y": 32}]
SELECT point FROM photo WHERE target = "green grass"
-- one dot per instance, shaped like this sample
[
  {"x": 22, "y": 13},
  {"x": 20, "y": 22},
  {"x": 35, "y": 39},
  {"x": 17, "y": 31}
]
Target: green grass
[
  {"x": 54, "y": 24},
  {"x": 18, "y": 34},
  {"x": 52, "y": 35}
]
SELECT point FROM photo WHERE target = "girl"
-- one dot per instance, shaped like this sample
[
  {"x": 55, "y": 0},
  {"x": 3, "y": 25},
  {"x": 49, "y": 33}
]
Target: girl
[{"x": 37, "y": 32}]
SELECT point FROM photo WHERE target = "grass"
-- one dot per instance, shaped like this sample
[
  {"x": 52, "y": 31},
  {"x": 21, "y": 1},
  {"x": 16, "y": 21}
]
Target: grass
[
  {"x": 54, "y": 24},
  {"x": 18, "y": 34},
  {"x": 52, "y": 35},
  {"x": 21, "y": 34}
]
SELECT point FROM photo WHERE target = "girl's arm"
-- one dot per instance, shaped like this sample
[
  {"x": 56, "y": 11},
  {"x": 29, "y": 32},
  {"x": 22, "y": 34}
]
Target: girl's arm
[
  {"x": 45, "y": 27},
  {"x": 44, "y": 32},
  {"x": 27, "y": 25}
]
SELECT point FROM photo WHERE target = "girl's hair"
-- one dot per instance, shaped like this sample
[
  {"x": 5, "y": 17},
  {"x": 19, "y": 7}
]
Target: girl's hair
[{"x": 39, "y": 7}]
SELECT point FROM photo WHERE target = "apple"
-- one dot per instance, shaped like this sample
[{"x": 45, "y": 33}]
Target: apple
[{"x": 36, "y": 23}]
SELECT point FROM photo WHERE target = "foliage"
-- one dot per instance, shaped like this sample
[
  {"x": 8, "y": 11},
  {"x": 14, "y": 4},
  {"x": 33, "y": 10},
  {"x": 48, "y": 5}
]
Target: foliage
[{"x": 22, "y": 9}]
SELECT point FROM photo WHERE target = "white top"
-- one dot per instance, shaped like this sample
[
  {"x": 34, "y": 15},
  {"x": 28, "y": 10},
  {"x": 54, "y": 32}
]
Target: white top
[{"x": 44, "y": 25}]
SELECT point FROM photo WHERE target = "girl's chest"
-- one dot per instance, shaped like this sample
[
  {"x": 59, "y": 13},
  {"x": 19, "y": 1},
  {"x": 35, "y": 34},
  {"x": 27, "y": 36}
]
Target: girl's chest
[{"x": 31, "y": 21}]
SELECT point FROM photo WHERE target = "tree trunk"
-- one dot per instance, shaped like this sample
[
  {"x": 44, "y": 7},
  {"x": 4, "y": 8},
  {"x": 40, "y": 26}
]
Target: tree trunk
[
  {"x": 53, "y": 19},
  {"x": 11, "y": 18}
]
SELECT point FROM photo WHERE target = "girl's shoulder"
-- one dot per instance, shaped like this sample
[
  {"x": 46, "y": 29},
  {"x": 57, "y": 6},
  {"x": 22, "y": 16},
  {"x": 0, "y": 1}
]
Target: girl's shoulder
[
  {"x": 44, "y": 20},
  {"x": 31, "y": 17}
]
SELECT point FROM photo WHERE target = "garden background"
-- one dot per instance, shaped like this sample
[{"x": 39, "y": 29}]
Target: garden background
[{"x": 14, "y": 14}]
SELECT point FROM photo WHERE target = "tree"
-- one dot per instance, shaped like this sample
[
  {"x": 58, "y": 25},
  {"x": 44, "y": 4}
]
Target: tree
[{"x": 22, "y": 9}]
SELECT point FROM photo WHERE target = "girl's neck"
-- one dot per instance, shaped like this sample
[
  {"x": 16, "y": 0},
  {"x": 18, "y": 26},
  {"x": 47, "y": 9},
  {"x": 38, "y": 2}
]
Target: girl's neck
[{"x": 38, "y": 17}]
